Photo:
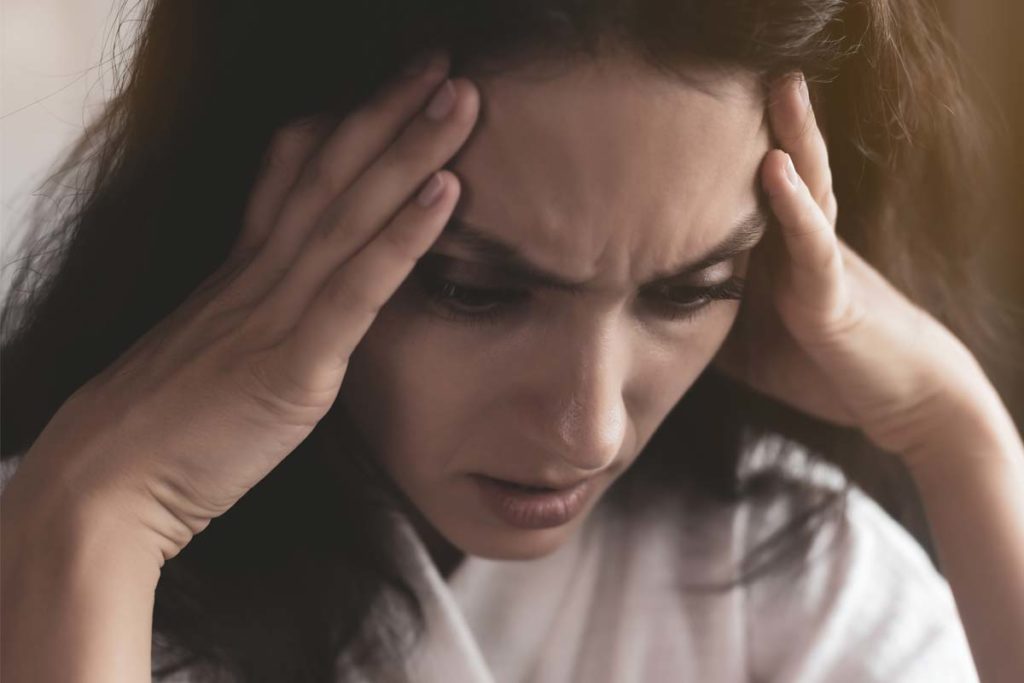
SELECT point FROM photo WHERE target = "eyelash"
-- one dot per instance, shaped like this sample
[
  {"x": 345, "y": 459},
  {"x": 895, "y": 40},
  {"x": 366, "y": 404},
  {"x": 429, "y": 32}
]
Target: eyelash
[{"x": 442, "y": 292}]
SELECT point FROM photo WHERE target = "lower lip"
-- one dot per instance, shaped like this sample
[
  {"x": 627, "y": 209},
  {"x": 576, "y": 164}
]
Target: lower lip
[{"x": 533, "y": 509}]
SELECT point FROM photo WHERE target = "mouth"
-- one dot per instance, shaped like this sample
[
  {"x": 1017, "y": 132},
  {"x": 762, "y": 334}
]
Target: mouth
[
  {"x": 533, "y": 505},
  {"x": 537, "y": 485}
]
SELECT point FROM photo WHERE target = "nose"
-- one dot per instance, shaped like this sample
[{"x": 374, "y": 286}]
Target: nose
[{"x": 582, "y": 409}]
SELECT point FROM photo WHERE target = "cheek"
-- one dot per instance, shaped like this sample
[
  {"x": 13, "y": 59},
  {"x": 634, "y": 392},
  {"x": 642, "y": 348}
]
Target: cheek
[
  {"x": 410, "y": 397},
  {"x": 430, "y": 398},
  {"x": 665, "y": 366},
  {"x": 689, "y": 347}
]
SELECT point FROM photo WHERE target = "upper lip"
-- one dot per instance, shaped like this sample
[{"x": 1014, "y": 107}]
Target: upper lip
[{"x": 541, "y": 483}]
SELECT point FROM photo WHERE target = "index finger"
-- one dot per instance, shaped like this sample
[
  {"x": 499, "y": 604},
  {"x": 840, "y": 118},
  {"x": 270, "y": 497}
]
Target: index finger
[{"x": 355, "y": 143}]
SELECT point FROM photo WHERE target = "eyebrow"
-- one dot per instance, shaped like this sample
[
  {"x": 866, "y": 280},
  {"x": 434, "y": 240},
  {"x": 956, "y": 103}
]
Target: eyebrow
[{"x": 511, "y": 263}]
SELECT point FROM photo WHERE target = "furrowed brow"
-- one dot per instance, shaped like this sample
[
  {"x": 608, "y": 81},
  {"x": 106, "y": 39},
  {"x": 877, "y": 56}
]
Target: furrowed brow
[
  {"x": 511, "y": 264},
  {"x": 743, "y": 236}
]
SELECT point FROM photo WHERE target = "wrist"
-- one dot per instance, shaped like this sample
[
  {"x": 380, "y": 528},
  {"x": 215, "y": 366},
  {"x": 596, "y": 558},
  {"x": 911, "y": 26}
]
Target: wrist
[
  {"x": 967, "y": 425},
  {"x": 47, "y": 493},
  {"x": 76, "y": 548},
  {"x": 72, "y": 530},
  {"x": 76, "y": 581}
]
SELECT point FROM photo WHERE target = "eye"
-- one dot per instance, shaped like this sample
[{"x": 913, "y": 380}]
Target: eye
[
  {"x": 685, "y": 303},
  {"x": 467, "y": 303}
]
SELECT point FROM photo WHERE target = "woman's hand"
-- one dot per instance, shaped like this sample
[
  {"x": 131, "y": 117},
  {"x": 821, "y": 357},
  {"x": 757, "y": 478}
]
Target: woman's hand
[
  {"x": 209, "y": 401},
  {"x": 822, "y": 330}
]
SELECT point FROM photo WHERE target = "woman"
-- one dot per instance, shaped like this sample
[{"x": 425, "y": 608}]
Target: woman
[{"x": 436, "y": 349}]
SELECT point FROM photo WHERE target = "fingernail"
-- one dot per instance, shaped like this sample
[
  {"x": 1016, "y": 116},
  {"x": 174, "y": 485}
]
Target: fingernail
[
  {"x": 805, "y": 96},
  {"x": 431, "y": 190},
  {"x": 791, "y": 172},
  {"x": 442, "y": 101}
]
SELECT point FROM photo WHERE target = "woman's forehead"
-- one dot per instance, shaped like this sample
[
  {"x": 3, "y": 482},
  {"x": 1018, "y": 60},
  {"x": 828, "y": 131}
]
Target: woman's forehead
[{"x": 611, "y": 163}]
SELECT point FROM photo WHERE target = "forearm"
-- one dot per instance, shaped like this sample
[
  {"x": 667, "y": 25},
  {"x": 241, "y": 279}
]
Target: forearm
[
  {"x": 971, "y": 482},
  {"x": 77, "y": 597}
]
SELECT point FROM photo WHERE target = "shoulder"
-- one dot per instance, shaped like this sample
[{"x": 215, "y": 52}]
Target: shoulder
[
  {"x": 859, "y": 601},
  {"x": 866, "y": 603}
]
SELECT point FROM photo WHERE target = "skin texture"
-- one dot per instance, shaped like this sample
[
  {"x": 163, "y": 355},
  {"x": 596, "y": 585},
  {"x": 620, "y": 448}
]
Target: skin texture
[{"x": 604, "y": 172}]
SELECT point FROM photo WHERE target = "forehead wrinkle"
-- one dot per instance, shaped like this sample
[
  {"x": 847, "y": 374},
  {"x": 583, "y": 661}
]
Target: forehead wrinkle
[
  {"x": 552, "y": 198},
  {"x": 694, "y": 223},
  {"x": 514, "y": 264},
  {"x": 508, "y": 126}
]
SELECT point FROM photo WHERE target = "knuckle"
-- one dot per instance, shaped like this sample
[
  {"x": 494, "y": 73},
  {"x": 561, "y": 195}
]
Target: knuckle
[
  {"x": 258, "y": 331},
  {"x": 274, "y": 391},
  {"x": 847, "y": 321},
  {"x": 397, "y": 247}
]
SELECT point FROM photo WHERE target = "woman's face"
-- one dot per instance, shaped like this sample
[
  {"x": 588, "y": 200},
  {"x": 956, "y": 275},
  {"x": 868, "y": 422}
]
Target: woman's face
[{"x": 607, "y": 175}]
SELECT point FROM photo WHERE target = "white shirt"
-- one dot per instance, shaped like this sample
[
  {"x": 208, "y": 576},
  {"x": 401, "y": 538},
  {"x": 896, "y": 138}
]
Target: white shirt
[
  {"x": 610, "y": 605},
  {"x": 607, "y": 606}
]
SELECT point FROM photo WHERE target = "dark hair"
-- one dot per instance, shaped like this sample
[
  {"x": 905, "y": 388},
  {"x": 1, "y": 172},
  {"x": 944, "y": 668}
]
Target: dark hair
[{"x": 283, "y": 582}]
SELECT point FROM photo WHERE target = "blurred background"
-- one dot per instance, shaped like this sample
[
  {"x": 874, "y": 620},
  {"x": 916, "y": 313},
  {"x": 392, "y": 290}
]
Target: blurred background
[{"x": 989, "y": 35}]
